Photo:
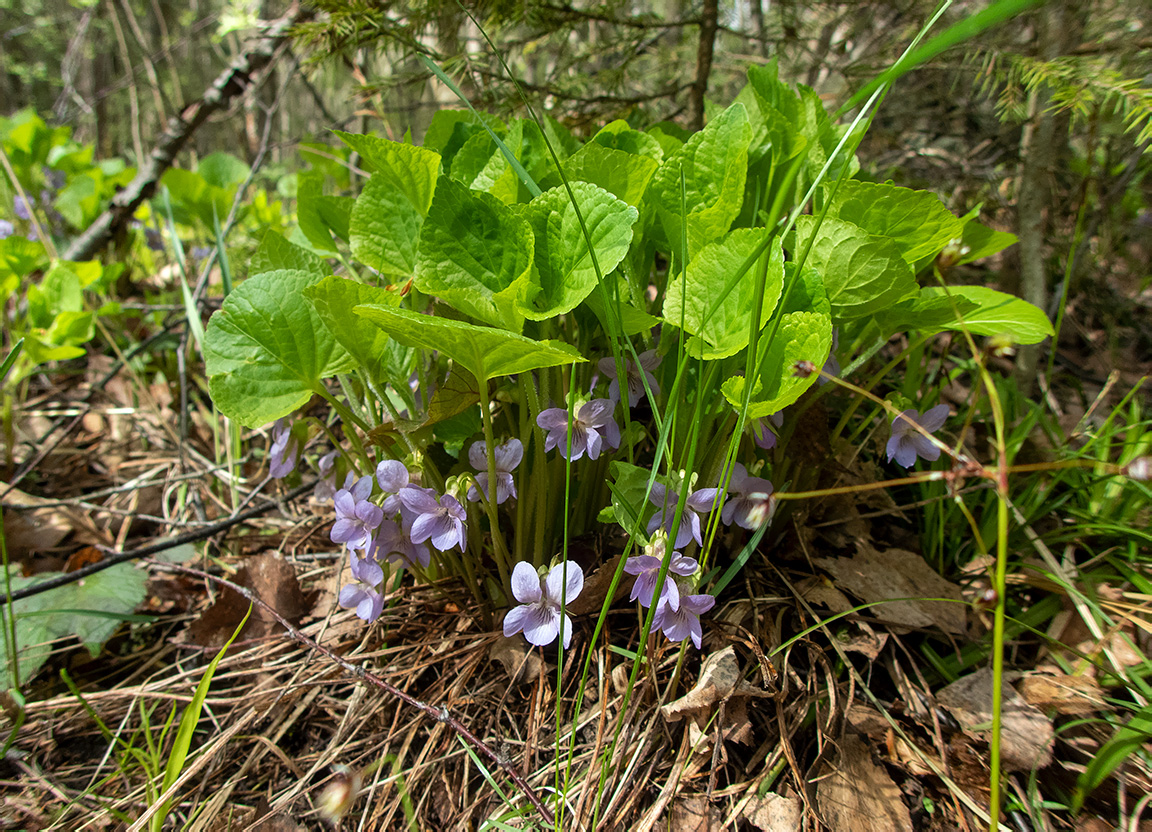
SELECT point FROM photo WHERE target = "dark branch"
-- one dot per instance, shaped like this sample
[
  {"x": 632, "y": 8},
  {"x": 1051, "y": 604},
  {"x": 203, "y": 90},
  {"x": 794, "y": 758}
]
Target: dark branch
[{"x": 231, "y": 83}]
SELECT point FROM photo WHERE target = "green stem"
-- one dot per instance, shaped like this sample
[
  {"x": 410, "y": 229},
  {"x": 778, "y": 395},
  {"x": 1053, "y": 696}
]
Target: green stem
[{"x": 503, "y": 559}]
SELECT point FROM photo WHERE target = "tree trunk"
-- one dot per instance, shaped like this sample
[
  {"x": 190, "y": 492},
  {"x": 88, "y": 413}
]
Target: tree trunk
[
  {"x": 709, "y": 21},
  {"x": 758, "y": 27},
  {"x": 1040, "y": 147}
]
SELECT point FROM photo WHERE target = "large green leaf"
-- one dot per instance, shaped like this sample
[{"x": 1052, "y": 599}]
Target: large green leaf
[
  {"x": 91, "y": 610},
  {"x": 916, "y": 221},
  {"x": 926, "y": 313},
  {"x": 275, "y": 253},
  {"x": 802, "y": 336},
  {"x": 222, "y": 170},
  {"x": 564, "y": 273},
  {"x": 475, "y": 254},
  {"x": 862, "y": 273},
  {"x": 483, "y": 351},
  {"x": 334, "y": 300},
  {"x": 718, "y": 313},
  {"x": 311, "y": 214},
  {"x": 386, "y": 221},
  {"x": 385, "y": 228},
  {"x": 623, "y": 174},
  {"x": 410, "y": 168},
  {"x": 714, "y": 164},
  {"x": 267, "y": 351},
  {"x": 496, "y": 174},
  {"x": 631, "y": 320},
  {"x": 450, "y": 129},
  {"x": 997, "y": 313},
  {"x": 983, "y": 241},
  {"x": 619, "y": 135}
]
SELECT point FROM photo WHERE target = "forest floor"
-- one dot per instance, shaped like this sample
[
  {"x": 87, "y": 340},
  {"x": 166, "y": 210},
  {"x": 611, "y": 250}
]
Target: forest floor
[{"x": 870, "y": 719}]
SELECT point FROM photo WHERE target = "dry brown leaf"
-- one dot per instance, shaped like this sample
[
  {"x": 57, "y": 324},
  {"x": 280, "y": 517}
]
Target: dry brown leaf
[
  {"x": 867, "y": 721},
  {"x": 773, "y": 813},
  {"x": 29, "y": 530},
  {"x": 596, "y": 585},
  {"x": 863, "y": 640},
  {"x": 894, "y": 573},
  {"x": 720, "y": 683},
  {"x": 1062, "y": 694},
  {"x": 859, "y": 796},
  {"x": 694, "y": 814},
  {"x": 1068, "y": 627},
  {"x": 273, "y": 580},
  {"x": 1026, "y": 734},
  {"x": 521, "y": 662},
  {"x": 911, "y": 759},
  {"x": 818, "y": 590}
]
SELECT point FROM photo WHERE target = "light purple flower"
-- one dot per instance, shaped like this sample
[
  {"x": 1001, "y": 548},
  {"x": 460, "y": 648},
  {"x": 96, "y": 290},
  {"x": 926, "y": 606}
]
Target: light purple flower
[
  {"x": 508, "y": 456},
  {"x": 664, "y": 498},
  {"x": 356, "y": 516},
  {"x": 285, "y": 450},
  {"x": 592, "y": 428},
  {"x": 907, "y": 443},
  {"x": 23, "y": 208},
  {"x": 363, "y": 595},
  {"x": 326, "y": 486},
  {"x": 649, "y": 361},
  {"x": 646, "y": 568},
  {"x": 393, "y": 478},
  {"x": 7, "y": 229},
  {"x": 538, "y": 615},
  {"x": 832, "y": 365},
  {"x": 684, "y": 621},
  {"x": 762, "y": 435},
  {"x": 393, "y": 546},
  {"x": 750, "y": 501},
  {"x": 441, "y": 521}
]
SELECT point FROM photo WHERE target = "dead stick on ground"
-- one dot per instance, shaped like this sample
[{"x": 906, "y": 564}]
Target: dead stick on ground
[
  {"x": 230, "y": 83},
  {"x": 439, "y": 714}
]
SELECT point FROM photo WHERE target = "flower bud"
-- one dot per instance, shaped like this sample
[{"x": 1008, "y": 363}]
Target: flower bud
[
  {"x": 1139, "y": 469},
  {"x": 952, "y": 254},
  {"x": 339, "y": 795}
]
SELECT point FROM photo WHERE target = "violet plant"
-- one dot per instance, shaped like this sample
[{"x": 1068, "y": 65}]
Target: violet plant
[{"x": 487, "y": 351}]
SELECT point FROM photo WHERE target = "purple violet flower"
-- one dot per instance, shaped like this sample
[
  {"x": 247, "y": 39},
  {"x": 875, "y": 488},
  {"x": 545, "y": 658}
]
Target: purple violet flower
[
  {"x": 592, "y": 428},
  {"x": 646, "y": 568},
  {"x": 762, "y": 435},
  {"x": 326, "y": 486},
  {"x": 285, "y": 450},
  {"x": 441, "y": 521},
  {"x": 364, "y": 594},
  {"x": 750, "y": 502},
  {"x": 664, "y": 498},
  {"x": 907, "y": 443},
  {"x": 649, "y": 361},
  {"x": 538, "y": 615},
  {"x": 356, "y": 517},
  {"x": 22, "y": 208},
  {"x": 684, "y": 621},
  {"x": 395, "y": 547},
  {"x": 393, "y": 477},
  {"x": 508, "y": 456},
  {"x": 7, "y": 229}
]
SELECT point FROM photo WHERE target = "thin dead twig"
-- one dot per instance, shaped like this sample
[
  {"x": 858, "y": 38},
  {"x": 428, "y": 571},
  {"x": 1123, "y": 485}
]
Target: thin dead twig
[{"x": 114, "y": 558}]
